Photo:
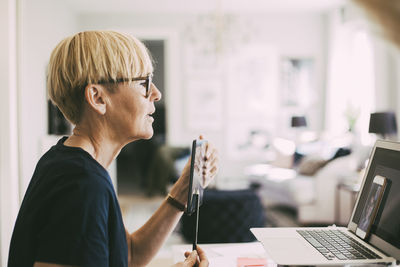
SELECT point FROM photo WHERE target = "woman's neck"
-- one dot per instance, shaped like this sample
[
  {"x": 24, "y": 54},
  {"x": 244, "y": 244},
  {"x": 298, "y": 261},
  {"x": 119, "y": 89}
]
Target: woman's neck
[{"x": 96, "y": 142}]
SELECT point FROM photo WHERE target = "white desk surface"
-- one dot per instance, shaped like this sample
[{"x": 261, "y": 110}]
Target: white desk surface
[{"x": 225, "y": 254}]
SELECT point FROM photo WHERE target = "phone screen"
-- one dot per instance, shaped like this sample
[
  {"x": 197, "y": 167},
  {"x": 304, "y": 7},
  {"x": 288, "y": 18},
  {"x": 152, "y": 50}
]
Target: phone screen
[{"x": 371, "y": 206}]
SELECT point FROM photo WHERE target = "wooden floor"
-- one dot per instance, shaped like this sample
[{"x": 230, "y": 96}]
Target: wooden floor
[{"x": 279, "y": 216}]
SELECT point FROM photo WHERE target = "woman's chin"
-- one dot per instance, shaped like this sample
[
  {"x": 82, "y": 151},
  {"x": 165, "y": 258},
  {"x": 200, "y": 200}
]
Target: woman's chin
[
  {"x": 145, "y": 132},
  {"x": 147, "y": 135}
]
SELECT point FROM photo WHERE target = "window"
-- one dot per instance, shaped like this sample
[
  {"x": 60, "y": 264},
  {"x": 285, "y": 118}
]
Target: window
[{"x": 351, "y": 80}]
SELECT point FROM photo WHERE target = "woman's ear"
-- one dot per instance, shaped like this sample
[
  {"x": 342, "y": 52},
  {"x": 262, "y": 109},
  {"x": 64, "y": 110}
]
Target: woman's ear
[{"x": 96, "y": 97}]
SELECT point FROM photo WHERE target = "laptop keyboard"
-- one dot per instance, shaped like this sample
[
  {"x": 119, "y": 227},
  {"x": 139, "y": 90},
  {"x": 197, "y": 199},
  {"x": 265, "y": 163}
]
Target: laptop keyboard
[{"x": 334, "y": 244}]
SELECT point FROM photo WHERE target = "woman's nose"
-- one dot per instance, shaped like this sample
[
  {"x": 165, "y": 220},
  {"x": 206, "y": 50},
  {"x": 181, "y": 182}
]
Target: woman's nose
[{"x": 155, "y": 93}]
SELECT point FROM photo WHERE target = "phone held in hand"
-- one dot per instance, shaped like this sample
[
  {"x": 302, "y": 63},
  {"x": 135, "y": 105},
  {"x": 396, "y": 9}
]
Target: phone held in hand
[
  {"x": 371, "y": 206},
  {"x": 196, "y": 184},
  {"x": 196, "y": 181}
]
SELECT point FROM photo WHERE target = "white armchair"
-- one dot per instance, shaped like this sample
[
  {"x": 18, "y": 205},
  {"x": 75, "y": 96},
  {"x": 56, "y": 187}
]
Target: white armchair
[{"x": 322, "y": 208}]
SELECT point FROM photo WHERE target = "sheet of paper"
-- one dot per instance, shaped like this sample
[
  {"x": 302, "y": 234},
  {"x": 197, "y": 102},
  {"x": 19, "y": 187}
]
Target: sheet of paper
[
  {"x": 241, "y": 250},
  {"x": 227, "y": 254}
]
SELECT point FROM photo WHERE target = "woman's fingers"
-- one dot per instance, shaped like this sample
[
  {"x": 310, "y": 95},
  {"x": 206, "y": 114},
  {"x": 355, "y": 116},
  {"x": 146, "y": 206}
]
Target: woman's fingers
[
  {"x": 202, "y": 257},
  {"x": 210, "y": 168},
  {"x": 195, "y": 258},
  {"x": 191, "y": 258},
  {"x": 209, "y": 150},
  {"x": 206, "y": 162}
]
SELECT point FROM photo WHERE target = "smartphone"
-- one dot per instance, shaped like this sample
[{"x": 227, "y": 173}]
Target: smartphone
[
  {"x": 196, "y": 183},
  {"x": 196, "y": 201},
  {"x": 371, "y": 206}
]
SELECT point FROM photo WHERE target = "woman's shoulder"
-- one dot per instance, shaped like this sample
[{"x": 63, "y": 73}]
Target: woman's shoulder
[{"x": 72, "y": 166}]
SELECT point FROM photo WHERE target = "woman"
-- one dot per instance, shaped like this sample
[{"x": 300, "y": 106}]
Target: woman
[{"x": 70, "y": 216}]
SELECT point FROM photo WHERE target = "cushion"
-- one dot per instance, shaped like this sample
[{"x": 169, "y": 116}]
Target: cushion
[{"x": 311, "y": 165}]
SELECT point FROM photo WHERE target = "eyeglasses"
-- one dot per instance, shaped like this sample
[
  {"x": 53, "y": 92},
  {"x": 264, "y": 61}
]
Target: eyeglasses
[{"x": 147, "y": 81}]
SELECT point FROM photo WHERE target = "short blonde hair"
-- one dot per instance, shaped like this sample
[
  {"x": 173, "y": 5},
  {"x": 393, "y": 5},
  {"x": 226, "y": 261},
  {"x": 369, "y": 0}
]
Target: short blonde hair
[{"x": 90, "y": 57}]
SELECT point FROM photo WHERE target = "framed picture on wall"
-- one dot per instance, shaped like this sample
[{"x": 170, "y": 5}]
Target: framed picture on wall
[
  {"x": 253, "y": 83},
  {"x": 297, "y": 81},
  {"x": 204, "y": 103}
]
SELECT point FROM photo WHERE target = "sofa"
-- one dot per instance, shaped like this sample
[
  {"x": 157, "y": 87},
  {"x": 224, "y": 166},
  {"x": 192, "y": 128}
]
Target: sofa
[
  {"x": 313, "y": 193},
  {"x": 226, "y": 216}
]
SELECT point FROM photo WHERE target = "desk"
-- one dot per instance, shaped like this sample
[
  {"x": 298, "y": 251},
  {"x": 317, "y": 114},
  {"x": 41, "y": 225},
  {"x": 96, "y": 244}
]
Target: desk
[{"x": 225, "y": 254}]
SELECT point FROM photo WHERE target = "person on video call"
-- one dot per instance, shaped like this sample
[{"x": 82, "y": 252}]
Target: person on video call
[
  {"x": 367, "y": 212},
  {"x": 70, "y": 216}
]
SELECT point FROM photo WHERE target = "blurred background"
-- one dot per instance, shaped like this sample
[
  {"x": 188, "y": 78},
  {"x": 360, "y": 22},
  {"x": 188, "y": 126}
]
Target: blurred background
[{"x": 239, "y": 72}]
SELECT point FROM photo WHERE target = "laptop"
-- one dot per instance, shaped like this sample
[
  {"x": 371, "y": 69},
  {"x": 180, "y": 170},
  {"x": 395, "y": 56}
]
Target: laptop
[{"x": 378, "y": 241}]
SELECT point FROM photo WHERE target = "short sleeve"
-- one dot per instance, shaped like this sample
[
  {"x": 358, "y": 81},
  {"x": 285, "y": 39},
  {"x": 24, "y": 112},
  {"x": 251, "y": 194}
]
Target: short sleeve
[{"x": 75, "y": 222}]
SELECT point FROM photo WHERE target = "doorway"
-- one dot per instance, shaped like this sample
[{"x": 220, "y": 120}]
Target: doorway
[{"x": 134, "y": 161}]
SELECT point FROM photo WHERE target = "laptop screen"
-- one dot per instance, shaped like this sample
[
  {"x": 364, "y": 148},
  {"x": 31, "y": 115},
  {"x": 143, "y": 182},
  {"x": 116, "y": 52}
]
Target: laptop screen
[{"x": 386, "y": 163}]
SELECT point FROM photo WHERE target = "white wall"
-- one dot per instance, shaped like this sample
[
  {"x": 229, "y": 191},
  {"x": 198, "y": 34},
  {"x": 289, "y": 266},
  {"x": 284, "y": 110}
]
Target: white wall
[
  {"x": 387, "y": 72},
  {"x": 294, "y": 35},
  {"x": 388, "y": 77},
  {"x": 30, "y": 29},
  {"x": 44, "y": 23},
  {"x": 396, "y": 77},
  {"x": 9, "y": 201}
]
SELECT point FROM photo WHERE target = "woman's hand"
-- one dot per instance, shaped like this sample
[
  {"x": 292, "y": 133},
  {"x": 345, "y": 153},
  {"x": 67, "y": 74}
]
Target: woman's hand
[
  {"x": 206, "y": 163},
  {"x": 207, "y": 172},
  {"x": 192, "y": 260}
]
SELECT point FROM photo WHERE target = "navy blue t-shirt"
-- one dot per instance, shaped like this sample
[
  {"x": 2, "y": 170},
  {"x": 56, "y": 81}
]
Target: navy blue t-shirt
[{"x": 70, "y": 214}]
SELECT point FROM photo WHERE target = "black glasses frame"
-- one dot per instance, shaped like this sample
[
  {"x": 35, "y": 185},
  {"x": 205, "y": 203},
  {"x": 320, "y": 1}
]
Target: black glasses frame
[{"x": 148, "y": 79}]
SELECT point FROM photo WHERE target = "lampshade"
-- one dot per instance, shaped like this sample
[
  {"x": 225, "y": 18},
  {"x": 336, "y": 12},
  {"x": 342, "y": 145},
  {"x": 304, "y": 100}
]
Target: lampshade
[
  {"x": 383, "y": 123},
  {"x": 299, "y": 121}
]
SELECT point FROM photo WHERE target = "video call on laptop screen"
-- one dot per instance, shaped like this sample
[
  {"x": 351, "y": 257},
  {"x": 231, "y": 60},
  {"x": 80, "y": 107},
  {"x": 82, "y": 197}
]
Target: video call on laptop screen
[{"x": 386, "y": 225}]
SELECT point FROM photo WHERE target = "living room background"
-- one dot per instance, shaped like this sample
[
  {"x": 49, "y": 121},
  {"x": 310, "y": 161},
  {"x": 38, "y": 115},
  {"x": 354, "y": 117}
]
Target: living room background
[{"x": 274, "y": 35}]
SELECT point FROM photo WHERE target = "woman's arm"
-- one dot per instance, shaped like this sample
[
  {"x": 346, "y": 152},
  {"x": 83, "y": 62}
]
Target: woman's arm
[{"x": 144, "y": 243}]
